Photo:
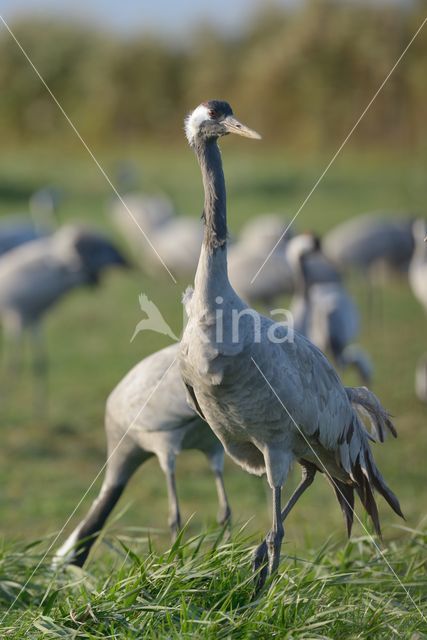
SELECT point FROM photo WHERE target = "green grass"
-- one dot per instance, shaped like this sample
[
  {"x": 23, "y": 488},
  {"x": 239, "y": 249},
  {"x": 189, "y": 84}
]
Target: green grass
[
  {"x": 190, "y": 591},
  {"x": 46, "y": 466}
]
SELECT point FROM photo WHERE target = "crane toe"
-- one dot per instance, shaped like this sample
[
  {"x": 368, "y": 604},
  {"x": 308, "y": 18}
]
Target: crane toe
[{"x": 260, "y": 565}]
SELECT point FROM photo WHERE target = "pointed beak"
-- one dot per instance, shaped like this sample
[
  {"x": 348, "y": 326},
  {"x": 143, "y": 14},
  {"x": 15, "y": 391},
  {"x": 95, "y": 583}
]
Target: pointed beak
[{"x": 234, "y": 126}]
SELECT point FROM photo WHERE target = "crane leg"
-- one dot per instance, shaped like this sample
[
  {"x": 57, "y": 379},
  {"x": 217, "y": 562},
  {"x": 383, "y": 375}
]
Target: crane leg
[
  {"x": 216, "y": 459},
  {"x": 120, "y": 467},
  {"x": 275, "y": 535},
  {"x": 224, "y": 511},
  {"x": 261, "y": 554},
  {"x": 12, "y": 346},
  {"x": 40, "y": 370},
  {"x": 76, "y": 548},
  {"x": 308, "y": 473},
  {"x": 174, "y": 513}
]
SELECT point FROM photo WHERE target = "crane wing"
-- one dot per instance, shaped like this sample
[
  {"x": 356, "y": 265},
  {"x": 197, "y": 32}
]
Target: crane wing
[
  {"x": 192, "y": 401},
  {"x": 312, "y": 392}
]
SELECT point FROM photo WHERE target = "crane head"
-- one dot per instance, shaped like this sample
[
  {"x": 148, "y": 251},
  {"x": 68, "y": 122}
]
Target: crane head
[
  {"x": 87, "y": 251},
  {"x": 213, "y": 119},
  {"x": 301, "y": 245}
]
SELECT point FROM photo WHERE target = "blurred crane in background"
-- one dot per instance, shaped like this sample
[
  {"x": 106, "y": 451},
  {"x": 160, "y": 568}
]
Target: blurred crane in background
[
  {"x": 374, "y": 245},
  {"x": 35, "y": 276},
  {"x": 141, "y": 213},
  {"x": 371, "y": 243},
  {"x": 324, "y": 312},
  {"x": 175, "y": 238},
  {"x": 247, "y": 255},
  {"x": 258, "y": 266}
]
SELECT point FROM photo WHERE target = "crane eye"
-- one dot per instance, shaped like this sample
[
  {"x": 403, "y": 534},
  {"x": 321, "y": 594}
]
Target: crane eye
[{"x": 213, "y": 113}]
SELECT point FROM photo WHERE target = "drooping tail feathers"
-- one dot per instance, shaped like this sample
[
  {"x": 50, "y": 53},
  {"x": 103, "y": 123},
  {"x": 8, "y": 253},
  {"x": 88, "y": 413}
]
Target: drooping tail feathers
[
  {"x": 357, "y": 458},
  {"x": 368, "y": 406}
]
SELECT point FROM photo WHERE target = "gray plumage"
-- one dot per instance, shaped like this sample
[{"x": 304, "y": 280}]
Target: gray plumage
[
  {"x": 324, "y": 312},
  {"x": 149, "y": 212},
  {"x": 175, "y": 238},
  {"x": 257, "y": 280},
  {"x": 270, "y": 403},
  {"x": 246, "y": 256},
  {"x": 147, "y": 414},
  {"x": 36, "y": 275},
  {"x": 371, "y": 241}
]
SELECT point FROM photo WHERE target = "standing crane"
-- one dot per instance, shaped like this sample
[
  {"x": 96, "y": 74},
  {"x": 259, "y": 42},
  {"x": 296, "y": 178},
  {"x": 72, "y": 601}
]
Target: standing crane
[
  {"x": 271, "y": 401},
  {"x": 324, "y": 311},
  {"x": 36, "y": 275},
  {"x": 147, "y": 414}
]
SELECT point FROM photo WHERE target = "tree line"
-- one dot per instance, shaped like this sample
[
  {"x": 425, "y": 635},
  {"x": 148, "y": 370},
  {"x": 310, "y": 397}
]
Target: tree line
[{"x": 301, "y": 75}]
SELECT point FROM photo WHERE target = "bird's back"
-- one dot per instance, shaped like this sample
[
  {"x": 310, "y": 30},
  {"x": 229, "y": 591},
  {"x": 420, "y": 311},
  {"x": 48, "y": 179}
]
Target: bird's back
[
  {"x": 364, "y": 240},
  {"x": 32, "y": 278},
  {"x": 15, "y": 232},
  {"x": 152, "y": 395}
]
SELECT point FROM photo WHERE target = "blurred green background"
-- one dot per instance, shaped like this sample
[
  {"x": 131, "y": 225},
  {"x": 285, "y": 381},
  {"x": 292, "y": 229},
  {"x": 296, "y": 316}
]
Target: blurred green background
[{"x": 300, "y": 75}]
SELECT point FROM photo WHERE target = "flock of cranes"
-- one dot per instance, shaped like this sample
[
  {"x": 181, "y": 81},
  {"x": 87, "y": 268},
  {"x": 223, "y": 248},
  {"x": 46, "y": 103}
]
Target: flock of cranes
[{"x": 266, "y": 403}]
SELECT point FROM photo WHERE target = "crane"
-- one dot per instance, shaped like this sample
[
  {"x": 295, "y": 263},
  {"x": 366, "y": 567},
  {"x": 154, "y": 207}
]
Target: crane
[
  {"x": 36, "y": 275},
  {"x": 324, "y": 312},
  {"x": 270, "y": 401}
]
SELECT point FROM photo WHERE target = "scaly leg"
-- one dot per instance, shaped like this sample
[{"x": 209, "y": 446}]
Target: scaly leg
[
  {"x": 174, "y": 513},
  {"x": 261, "y": 554}
]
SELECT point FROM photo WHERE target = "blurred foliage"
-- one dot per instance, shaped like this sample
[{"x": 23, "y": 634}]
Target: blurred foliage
[{"x": 299, "y": 74}]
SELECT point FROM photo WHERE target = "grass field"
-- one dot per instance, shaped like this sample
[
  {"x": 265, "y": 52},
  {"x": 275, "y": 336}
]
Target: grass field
[{"x": 327, "y": 589}]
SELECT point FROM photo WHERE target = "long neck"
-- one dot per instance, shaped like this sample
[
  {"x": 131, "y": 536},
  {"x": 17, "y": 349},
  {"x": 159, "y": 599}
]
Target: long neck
[
  {"x": 215, "y": 208},
  {"x": 211, "y": 276},
  {"x": 299, "y": 267}
]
